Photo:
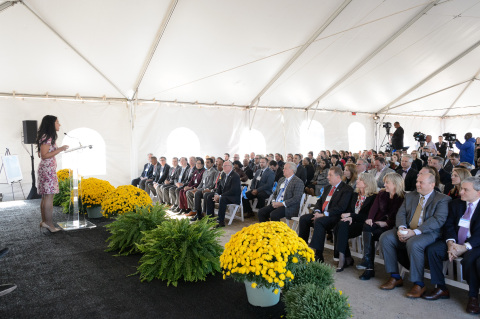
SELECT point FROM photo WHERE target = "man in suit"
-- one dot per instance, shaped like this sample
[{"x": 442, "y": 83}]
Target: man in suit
[
  {"x": 174, "y": 192},
  {"x": 279, "y": 159},
  {"x": 461, "y": 239},
  {"x": 441, "y": 147},
  {"x": 301, "y": 171},
  {"x": 260, "y": 188},
  {"x": 209, "y": 193},
  {"x": 172, "y": 172},
  {"x": 361, "y": 166},
  {"x": 380, "y": 171},
  {"x": 227, "y": 193},
  {"x": 287, "y": 197},
  {"x": 195, "y": 196},
  {"x": 180, "y": 178},
  {"x": 447, "y": 165},
  {"x": 327, "y": 212},
  {"x": 409, "y": 174},
  {"x": 419, "y": 223},
  {"x": 445, "y": 177},
  {"x": 162, "y": 175},
  {"x": 155, "y": 171},
  {"x": 275, "y": 167},
  {"x": 146, "y": 173},
  {"x": 397, "y": 136}
]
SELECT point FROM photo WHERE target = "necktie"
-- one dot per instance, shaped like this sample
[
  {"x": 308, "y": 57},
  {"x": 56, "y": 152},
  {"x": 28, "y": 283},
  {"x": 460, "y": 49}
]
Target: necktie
[
  {"x": 217, "y": 180},
  {"x": 418, "y": 212},
  {"x": 280, "y": 194},
  {"x": 261, "y": 172},
  {"x": 405, "y": 172},
  {"x": 463, "y": 231},
  {"x": 330, "y": 194}
]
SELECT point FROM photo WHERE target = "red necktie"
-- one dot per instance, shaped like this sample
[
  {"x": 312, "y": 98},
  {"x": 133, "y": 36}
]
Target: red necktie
[
  {"x": 217, "y": 179},
  {"x": 330, "y": 194}
]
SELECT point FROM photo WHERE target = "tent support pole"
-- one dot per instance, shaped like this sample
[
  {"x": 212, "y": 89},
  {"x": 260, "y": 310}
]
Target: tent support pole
[
  {"x": 461, "y": 93},
  {"x": 301, "y": 50},
  {"x": 156, "y": 41},
  {"x": 74, "y": 49},
  {"x": 375, "y": 52},
  {"x": 429, "y": 77}
]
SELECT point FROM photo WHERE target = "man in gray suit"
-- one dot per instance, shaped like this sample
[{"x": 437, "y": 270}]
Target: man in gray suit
[
  {"x": 261, "y": 188},
  {"x": 380, "y": 171},
  {"x": 162, "y": 189},
  {"x": 287, "y": 196},
  {"x": 195, "y": 196},
  {"x": 418, "y": 224}
]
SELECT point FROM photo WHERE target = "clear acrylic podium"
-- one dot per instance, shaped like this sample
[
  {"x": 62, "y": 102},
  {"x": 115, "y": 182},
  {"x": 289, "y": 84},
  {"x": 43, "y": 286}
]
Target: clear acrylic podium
[{"x": 74, "y": 221}]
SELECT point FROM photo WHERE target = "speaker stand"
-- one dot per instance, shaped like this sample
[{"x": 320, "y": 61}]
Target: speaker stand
[{"x": 33, "y": 191}]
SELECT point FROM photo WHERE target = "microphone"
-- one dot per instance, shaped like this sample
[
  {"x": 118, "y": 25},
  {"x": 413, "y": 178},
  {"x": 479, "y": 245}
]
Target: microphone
[{"x": 75, "y": 138}]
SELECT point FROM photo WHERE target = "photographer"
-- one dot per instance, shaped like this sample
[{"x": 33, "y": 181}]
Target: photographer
[
  {"x": 441, "y": 147},
  {"x": 467, "y": 149},
  {"x": 397, "y": 136}
]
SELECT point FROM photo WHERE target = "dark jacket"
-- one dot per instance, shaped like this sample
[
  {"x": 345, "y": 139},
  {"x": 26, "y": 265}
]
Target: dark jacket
[
  {"x": 384, "y": 208},
  {"x": 339, "y": 202},
  {"x": 456, "y": 210},
  {"x": 230, "y": 187},
  {"x": 410, "y": 179},
  {"x": 301, "y": 173},
  {"x": 362, "y": 215}
]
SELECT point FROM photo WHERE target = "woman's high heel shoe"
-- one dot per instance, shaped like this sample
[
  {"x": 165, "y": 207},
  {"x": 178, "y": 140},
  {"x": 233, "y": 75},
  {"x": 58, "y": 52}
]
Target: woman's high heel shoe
[{"x": 50, "y": 229}]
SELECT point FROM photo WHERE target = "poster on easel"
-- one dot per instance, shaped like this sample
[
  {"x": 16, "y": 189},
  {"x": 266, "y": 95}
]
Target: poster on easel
[{"x": 11, "y": 165}]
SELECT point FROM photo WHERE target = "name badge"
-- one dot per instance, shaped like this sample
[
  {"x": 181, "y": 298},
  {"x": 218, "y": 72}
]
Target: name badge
[
  {"x": 465, "y": 223},
  {"x": 282, "y": 186},
  {"x": 326, "y": 213}
]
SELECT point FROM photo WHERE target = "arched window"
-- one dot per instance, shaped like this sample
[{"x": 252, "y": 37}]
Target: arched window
[
  {"x": 252, "y": 141},
  {"x": 356, "y": 137},
  {"x": 312, "y": 138},
  {"x": 88, "y": 161},
  {"x": 182, "y": 141}
]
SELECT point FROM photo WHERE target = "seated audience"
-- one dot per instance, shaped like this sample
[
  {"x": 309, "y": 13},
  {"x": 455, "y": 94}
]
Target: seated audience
[
  {"x": 351, "y": 160},
  {"x": 195, "y": 196},
  {"x": 453, "y": 161},
  {"x": 174, "y": 192},
  {"x": 287, "y": 197},
  {"x": 380, "y": 219},
  {"x": 228, "y": 192},
  {"x": 279, "y": 159},
  {"x": 361, "y": 166},
  {"x": 162, "y": 175},
  {"x": 260, "y": 188},
  {"x": 209, "y": 193},
  {"x": 319, "y": 180},
  {"x": 237, "y": 166},
  {"x": 275, "y": 167},
  {"x": 193, "y": 183},
  {"x": 226, "y": 157},
  {"x": 336, "y": 162},
  {"x": 408, "y": 173},
  {"x": 236, "y": 157},
  {"x": 431, "y": 170},
  {"x": 149, "y": 181},
  {"x": 476, "y": 171},
  {"x": 461, "y": 239},
  {"x": 309, "y": 168},
  {"x": 352, "y": 220},
  {"x": 419, "y": 223},
  {"x": 350, "y": 175},
  {"x": 146, "y": 173},
  {"x": 458, "y": 175},
  {"x": 162, "y": 189},
  {"x": 445, "y": 177},
  {"x": 289, "y": 157},
  {"x": 417, "y": 163},
  {"x": 380, "y": 171},
  {"x": 301, "y": 171},
  {"x": 246, "y": 169},
  {"x": 311, "y": 158},
  {"x": 394, "y": 164},
  {"x": 179, "y": 179},
  {"x": 327, "y": 211}
]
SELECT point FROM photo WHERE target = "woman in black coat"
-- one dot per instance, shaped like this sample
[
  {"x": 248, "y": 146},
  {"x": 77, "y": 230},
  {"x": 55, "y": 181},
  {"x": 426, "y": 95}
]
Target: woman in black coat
[{"x": 351, "y": 223}]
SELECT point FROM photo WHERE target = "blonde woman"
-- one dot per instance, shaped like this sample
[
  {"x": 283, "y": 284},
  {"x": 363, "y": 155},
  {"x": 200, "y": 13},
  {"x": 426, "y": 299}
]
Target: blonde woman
[
  {"x": 458, "y": 175},
  {"x": 380, "y": 219},
  {"x": 351, "y": 223}
]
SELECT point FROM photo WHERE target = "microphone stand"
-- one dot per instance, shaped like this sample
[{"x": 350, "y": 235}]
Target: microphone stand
[{"x": 33, "y": 191}]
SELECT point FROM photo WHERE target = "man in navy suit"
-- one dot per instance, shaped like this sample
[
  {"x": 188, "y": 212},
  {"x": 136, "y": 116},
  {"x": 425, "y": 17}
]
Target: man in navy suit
[
  {"x": 146, "y": 173},
  {"x": 228, "y": 192},
  {"x": 161, "y": 176},
  {"x": 327, "y": 212},
  {"x": 461, "y": 239},
  {"x": 408, "y": 173},
  {"x": 301, "y": 171},
  {"x": 261, "y": 188}
]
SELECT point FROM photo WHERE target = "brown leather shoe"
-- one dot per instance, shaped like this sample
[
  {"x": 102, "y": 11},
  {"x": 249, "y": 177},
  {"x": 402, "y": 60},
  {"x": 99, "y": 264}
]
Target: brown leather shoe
[
  {"x": 472, "y": 306},
  {"x": 392, "y": 283},
  {"x": 436, "y": 294},
  {"x": 192, "y": 213},
  {"x": 416, "y": 292}
]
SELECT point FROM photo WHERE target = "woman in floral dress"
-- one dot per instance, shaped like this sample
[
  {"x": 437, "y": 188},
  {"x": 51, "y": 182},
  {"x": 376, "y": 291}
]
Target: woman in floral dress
[{"x": 47, "y": 169}]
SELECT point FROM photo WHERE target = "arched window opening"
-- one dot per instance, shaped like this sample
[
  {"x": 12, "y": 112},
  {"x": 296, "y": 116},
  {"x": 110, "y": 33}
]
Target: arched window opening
[{"x": 356, "y": 137}]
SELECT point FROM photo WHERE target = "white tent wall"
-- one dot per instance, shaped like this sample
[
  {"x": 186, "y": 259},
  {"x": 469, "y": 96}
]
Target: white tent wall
[
  {"x": 463, "y": 124},
  {"x": 110, "y": 120}
]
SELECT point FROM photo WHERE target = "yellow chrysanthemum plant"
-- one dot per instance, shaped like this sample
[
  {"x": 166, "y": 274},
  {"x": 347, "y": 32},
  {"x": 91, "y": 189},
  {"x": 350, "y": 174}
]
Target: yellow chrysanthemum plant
[
  {"x": 93, "y": 191},
  {"x": 63, "y": 174},
  {"x": 265, "y": 254},
  {"x": 124, "y": 199}
]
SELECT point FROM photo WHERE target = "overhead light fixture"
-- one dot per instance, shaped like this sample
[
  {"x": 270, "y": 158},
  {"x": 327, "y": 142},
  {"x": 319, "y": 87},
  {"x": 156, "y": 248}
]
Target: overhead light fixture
[
  {"x": 6, "y": 5},
  {"x": 376, "y": 117}
]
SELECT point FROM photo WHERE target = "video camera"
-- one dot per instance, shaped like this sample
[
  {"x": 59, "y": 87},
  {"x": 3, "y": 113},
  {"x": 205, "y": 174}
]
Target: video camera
[
  {"x": 450, "y": 138},
  {"x": 387, "y": 126},
  {"x": 420, "y": 137}
]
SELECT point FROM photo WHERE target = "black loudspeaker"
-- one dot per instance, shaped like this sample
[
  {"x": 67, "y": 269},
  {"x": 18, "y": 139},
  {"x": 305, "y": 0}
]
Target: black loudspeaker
[{"x": 29, "y": 132}]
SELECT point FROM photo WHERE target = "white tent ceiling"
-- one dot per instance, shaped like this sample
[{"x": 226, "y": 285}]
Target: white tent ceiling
[{"x": 358, "y": 56}]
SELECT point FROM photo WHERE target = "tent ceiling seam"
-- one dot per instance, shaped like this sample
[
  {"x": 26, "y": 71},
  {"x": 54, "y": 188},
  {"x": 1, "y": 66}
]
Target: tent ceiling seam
[
  {"x": 461, "y": 93},
  {"x": 374, "y": 52},
  {"x": 73, "y": 48}
]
